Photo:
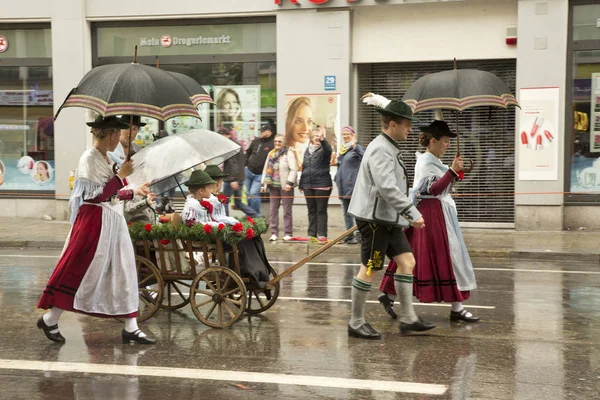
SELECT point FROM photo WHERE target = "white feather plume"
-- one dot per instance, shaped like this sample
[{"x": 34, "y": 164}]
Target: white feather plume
[
  {"x": 376, "y": 100},
  {"x": 438, "y": 116}
]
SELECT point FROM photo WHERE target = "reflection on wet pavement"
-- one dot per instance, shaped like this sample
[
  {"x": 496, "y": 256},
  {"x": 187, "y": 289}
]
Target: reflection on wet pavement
[{"x": 538, "y": 339}]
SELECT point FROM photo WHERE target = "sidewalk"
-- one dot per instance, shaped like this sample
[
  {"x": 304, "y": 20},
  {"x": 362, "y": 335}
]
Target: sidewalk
[{"x": 489, "y": 243}]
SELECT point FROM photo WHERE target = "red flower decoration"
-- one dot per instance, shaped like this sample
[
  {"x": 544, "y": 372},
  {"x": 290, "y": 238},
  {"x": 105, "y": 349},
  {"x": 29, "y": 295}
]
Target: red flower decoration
[
  {"x": 237, "y": 228},
  {"x": 165, "y": 242},
  {"x": 190, "y": 223},
  {"x": 163, "y": 219},
  {"x": 222, "y": 198},
  {"x": 207, "y": 205},
  {"x": 221, "y": 227},
  {"x": 461, "y": 175},
  {"x": 207, "y": 229},
  {"x": 249, "y": 219},
  {"x": 249, "y": 233},
  {"x": 129, "y": 224},
  {"x": 148, "y": 227}
]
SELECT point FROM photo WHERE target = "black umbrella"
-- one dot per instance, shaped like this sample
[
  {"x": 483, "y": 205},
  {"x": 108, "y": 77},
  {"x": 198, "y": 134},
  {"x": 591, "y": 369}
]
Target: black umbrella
[
  {"x": 458, "y": 89},
  {"x": 195, "y": 90},
  {"x": 136, "y": 89}
]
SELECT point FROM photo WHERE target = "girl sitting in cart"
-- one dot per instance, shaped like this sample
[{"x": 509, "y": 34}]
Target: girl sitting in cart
[{"x": 201, "y": 208}]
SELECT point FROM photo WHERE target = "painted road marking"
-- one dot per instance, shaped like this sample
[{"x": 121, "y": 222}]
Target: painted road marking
[
  {"x": 231, "y": 376},
  {"x": 554, "y": 271},
  {"x": 377, "y": 302},
  {"x": 541, "y": 271}
]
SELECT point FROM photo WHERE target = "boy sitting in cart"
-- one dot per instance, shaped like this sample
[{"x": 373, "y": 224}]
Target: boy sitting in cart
[{"x": 203, "y": 207}]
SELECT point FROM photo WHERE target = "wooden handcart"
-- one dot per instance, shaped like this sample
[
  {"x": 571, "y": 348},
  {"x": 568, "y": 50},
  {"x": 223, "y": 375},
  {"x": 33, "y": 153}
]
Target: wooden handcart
[{"x": 169, "y": 278}]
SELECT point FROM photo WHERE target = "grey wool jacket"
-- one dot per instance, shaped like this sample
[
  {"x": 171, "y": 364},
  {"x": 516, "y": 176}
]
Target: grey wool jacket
[{"x": 381, "y": 191}]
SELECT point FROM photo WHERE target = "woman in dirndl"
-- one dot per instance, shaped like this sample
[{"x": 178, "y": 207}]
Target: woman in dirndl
[
  {"x": 443, "y": 270},
  {"x": 96, "y": 273}
]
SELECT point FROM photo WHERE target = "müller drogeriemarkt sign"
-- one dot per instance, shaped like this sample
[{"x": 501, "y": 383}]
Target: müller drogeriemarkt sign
[
  {"x": 168, "y": 40},
  {"x": 171, "y": 40}
]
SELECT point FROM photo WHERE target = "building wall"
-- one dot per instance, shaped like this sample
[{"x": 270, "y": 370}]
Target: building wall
[
  {"x": 542, "y": 68},
  {"x": 331, "y": 37},
  {"x": 433, "y": 31}
]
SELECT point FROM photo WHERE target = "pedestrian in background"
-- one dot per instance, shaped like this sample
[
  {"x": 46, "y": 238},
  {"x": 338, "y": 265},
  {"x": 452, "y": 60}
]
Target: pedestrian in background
[
  {"x": 316, "y": 183},
  {"x": 234, "y": 182},
  {"x": 349, "y": 160},
  {"x": 279, "y": 177},
  {"x": 256, "y": 155}
]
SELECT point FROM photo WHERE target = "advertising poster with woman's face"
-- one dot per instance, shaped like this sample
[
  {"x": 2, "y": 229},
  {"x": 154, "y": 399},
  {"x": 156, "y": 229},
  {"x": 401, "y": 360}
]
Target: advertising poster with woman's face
[
  {"x": 238, "y": 109},
  {"x": 303, "y": 113},
  {"x": 26, "y": 174}
]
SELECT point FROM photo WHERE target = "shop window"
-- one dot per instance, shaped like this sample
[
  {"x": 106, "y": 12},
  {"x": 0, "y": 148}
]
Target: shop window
[
  {"x": 585, "y": 22},
  {"x": 585, "y": 133},
  {"x": 26, "y": 129},
  {"x": 245, "y": 96}
]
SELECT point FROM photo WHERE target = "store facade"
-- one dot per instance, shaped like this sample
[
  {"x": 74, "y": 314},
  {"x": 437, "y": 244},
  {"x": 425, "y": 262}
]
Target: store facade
[
  {"x": 26, "y": 99},
  {"x": 271, "y": 52}
]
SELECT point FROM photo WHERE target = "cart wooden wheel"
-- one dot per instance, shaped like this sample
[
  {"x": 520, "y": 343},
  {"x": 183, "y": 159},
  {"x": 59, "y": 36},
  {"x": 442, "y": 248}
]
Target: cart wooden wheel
[
  {"x": 175, "y": 294},
  {"x": 218, "y": 297},
  {"x": 150, "y": 288},
  {"x": 260, "y": 300}
]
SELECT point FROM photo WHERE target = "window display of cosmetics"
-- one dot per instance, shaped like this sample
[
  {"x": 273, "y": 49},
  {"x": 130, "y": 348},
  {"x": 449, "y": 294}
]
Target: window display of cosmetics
[{"x": 525, "y": 139}]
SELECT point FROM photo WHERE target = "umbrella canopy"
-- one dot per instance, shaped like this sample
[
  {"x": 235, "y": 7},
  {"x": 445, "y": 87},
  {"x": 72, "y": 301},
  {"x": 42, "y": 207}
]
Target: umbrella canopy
[
  {"x": 137, "y": 89},
  {"x": 458, "y": 89},
  {"x": 168, "y": 162},
  {"x": 195, "y": 90}
]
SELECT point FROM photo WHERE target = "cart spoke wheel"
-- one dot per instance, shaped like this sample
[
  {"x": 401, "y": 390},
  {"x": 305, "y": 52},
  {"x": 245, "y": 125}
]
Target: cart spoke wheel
[
  {"x": 174, "y": 298},
  {"x": 150, "y": 288},
  {"x": 212, "y": 308},
  {"x": 260, "y": 300},
  {"x": 211, "y": 295}
]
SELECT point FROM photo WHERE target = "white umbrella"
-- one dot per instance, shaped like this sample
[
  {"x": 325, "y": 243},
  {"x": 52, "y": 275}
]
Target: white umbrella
[{"x": 168, "y": 162}]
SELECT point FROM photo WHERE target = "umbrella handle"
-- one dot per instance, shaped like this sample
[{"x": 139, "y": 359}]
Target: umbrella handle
[
  {"x": 470, "y": 167},
  {"x": 130, "y": 132}
]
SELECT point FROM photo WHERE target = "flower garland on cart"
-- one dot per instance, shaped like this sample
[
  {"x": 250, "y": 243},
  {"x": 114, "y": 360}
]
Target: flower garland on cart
[{"x": 246, "y": 228}]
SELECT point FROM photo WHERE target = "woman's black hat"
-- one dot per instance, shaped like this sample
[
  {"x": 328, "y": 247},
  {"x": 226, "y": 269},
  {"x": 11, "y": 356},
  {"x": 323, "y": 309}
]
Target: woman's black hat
[
  {"x": 107, "y": 122},
  {"x": 438, "y": 129}
]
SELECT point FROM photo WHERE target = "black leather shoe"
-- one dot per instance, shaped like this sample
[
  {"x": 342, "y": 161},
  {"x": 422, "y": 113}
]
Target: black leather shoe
[
  {"x": 462, "y": 316},
  {"x": 55, "y": 337},
  {"x": 417, "y": 326},
  {"x": 135, "y": 337},
  {"x": 364, "y": 332},
  {"x": 388, "y": 305}
]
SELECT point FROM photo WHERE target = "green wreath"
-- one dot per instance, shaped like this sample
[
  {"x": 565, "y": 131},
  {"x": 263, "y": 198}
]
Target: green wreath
[{"x": 247, "y": 228}]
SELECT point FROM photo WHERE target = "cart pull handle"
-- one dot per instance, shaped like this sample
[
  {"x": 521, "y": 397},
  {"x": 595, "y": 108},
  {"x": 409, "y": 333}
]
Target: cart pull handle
[{"x": 311, "y": 256}]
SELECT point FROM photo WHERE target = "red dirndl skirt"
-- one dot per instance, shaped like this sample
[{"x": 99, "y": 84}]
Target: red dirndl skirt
[
  {"x": 434, "y": 279},
  {"x": 74, "y": 263}
]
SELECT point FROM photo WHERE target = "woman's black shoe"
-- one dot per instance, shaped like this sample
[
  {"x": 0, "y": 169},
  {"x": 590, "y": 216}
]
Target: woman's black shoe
[
  {"x": 462, "y": 316},
  {"x": 55, "y": 337},
  {"x": 129, "y": 337},
  {"x": 388, "y": 305}
]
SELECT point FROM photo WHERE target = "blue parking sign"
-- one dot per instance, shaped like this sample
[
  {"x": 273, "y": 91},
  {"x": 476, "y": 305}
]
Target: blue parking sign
[{"x": 329, "y": 82}]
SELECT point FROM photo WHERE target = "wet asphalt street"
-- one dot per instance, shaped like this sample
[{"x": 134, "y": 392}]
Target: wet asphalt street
[{"x": 538, "y": 339}]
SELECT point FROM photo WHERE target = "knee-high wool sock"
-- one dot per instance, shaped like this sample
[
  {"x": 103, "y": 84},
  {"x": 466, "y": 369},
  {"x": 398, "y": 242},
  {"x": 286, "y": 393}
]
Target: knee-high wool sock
[
  {"x": 360, "y": 291},
  {"x": 403, "y": 284}
]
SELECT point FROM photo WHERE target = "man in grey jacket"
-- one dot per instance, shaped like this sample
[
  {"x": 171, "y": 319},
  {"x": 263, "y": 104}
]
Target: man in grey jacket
[{"x": 382, "y": 209}]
